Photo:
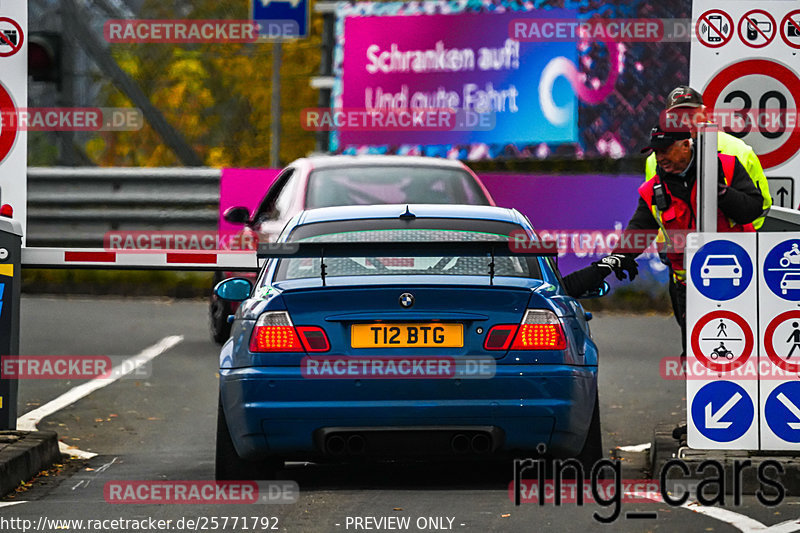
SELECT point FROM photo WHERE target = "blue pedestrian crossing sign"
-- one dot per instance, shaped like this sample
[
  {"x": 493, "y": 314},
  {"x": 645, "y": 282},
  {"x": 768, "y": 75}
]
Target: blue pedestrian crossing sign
[
  {"x": 782, "y": 411},
  {"x": 721, "y": 270},
  {"x": 722, "y": 411},
  {"x": 782, "y": 270},
  {"x": 280, "y": 18}
]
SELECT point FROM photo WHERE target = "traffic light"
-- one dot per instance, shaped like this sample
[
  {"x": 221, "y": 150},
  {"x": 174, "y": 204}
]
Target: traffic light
[{"x": 44, "y": 56}]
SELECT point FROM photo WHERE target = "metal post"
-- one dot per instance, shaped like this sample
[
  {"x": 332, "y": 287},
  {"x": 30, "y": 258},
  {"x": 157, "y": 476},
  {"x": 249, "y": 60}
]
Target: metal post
[
  {"x": 325, "y": 70},
  {"x": 275, "y": 141},
  {"x": 10, "y": 282},
  {"x": 707, "y": 175}
]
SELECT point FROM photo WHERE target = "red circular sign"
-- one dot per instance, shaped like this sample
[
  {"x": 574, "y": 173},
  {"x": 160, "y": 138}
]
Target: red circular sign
[
  {"x": 756, "y": 30},
  {"x": 705, "y": 360},
  {"x": 790, "y": 27},
  {"x": 710, "y": 29},
  {"x": 10, "y": 122},
  {"x": 771, "y": 69},
  {"x": 8, "y": 41},
  {"x": 776, "y": 359}
]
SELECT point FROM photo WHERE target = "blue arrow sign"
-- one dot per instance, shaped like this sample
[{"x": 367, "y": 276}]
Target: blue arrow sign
[
  {"x": 782, "y": 411},
  {"x": 782, "y": 270},
  {"x": 721, "y": 270},
  {"x": 275, "y": 15},
  {"x": 722, "y": 411}
]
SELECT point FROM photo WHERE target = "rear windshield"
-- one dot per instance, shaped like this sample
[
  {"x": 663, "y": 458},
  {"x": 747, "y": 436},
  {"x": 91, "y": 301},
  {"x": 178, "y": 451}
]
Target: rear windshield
[
  {"x": 408, "y": 265},
  {"x": 330, "y": 187}
]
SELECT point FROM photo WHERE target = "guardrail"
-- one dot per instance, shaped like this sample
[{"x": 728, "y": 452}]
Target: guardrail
[{"x": 75, "y": 207}]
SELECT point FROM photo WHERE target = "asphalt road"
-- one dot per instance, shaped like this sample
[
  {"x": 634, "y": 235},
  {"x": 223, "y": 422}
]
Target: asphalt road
[{"x": 162, "y": 427}]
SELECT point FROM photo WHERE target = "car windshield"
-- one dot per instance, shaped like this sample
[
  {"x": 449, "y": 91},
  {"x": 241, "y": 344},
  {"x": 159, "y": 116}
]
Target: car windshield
[
  {"x": 522, "y": 266},
  {"x": 721, "y": 260},
  {"x": 328, "y": 187}
]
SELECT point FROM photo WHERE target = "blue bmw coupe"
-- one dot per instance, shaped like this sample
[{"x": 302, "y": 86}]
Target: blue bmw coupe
[{"x": 404, "y": 331}]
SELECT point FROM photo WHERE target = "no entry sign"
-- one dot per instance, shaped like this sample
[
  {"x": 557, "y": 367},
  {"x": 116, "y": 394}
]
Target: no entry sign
[{"x": 8, "y": 128}]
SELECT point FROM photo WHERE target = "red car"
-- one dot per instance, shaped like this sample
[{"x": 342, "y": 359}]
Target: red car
[{"x": 326, "y": 181}]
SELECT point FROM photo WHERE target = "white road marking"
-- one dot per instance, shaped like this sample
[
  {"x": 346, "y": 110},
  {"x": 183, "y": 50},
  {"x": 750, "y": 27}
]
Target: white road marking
[
  {"x": 9, "y": 504},
  {"x": 635, "y": 447},
  {"x": 742, "y": 522},
  {"x": 98, "y": 471},
  {"x": 29, "y": 421}
]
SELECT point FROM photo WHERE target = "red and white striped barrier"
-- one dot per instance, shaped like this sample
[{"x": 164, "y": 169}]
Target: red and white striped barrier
[{"x": 136, "y": 259}]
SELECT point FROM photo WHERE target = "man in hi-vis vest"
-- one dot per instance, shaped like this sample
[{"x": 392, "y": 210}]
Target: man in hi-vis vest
[
  {"x": 668, "y": 202},
  {"x": 685, "y": 109}
]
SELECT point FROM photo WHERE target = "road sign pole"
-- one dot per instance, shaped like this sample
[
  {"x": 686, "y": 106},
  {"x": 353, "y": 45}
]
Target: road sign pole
[
  {"x": 10, "y": 282},
  {"x": 275, "y": 111},
  {"x": 707, "y": 167}
]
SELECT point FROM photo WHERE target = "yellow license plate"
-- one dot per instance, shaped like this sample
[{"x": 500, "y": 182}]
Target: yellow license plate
[{"x": 431, "y": 335}]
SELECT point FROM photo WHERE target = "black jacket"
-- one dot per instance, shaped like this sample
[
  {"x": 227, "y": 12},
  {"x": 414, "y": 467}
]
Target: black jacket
[{"x": 741, "y": 201}]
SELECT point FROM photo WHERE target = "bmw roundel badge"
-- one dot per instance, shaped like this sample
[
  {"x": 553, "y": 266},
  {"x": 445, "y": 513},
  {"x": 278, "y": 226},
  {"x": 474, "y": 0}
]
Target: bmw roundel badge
[{"x": 406, "y": 299}]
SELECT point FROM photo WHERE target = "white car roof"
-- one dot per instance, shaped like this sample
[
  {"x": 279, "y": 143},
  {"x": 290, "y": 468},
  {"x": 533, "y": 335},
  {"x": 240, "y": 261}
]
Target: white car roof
[{"x": 323, "y": 161}]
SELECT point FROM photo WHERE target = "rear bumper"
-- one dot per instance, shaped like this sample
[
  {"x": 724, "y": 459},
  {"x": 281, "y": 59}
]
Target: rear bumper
[{"x": 274, "y": 411}]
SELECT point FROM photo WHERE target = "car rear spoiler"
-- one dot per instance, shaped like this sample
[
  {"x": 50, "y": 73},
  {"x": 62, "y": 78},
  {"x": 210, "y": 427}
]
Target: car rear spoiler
[{"x": 321, "y": 250}]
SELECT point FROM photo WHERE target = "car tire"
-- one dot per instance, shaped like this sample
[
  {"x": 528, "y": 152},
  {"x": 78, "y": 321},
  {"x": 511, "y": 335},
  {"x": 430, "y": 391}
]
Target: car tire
[
  {"x": 593, "y": 447},
  {"x": 218, "y": 311},
  {"x": 228, "y": 464}
]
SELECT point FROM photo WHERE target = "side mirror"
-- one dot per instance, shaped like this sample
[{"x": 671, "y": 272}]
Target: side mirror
[
  {"x": 237, "y": 215},
  {"x": 234, "y": 289},
  {"x": 599, "y": 292}
]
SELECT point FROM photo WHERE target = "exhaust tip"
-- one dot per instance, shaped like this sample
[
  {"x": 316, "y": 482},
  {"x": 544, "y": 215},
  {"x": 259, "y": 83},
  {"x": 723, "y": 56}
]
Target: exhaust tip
[
  {"x": 460, "y": 443},
  {"x": 356, "y": 444},
  {"x": 335, "y": 445},
  {"x": 481, "y": 443}
]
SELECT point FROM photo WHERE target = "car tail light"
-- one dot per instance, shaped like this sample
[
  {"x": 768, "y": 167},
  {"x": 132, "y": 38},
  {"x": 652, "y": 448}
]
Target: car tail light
[
  {"x": 499, "y": 337},
  {"x": 274, "y": 332},
  {"x": 539, "y": 330},
  {"x": 313, "y": 338}
]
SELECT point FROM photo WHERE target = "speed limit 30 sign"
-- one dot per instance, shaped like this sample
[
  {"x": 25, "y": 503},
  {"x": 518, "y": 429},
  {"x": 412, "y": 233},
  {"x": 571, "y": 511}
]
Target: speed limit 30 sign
[{"x": 764, "y": 94}]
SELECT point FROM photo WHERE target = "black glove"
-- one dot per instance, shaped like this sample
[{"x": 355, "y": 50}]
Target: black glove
[
  {"x": 584, "y": 280},
  {"x": 620, "y": 264}
]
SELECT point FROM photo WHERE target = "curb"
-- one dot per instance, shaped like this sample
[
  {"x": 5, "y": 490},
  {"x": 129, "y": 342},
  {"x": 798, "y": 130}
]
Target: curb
[
  {"x": 665, "y": 448},
  {"x": 33, "y": 452}
]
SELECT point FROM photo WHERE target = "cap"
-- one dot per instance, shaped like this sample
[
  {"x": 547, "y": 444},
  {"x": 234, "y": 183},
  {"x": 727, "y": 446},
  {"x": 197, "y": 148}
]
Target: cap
[
  {"x": 660, "y": 139},
  {"x": 683, "y": 96}
]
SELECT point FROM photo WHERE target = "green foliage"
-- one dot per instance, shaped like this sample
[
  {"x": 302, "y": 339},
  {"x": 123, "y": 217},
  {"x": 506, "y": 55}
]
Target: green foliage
[
  {"x": 217, "y": 95},
  {"x": 117, "y": 282},
  {"x": 42, "y": 150}
]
